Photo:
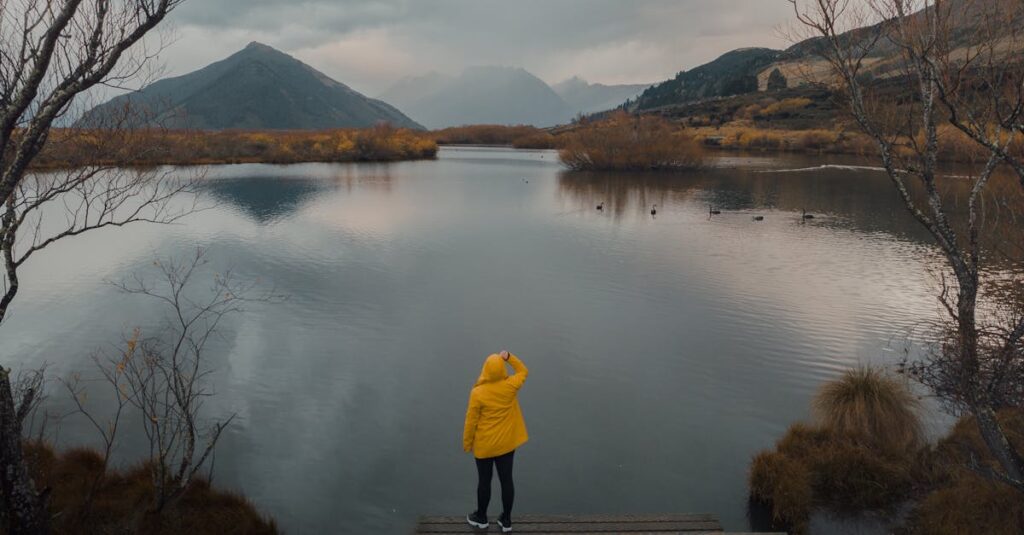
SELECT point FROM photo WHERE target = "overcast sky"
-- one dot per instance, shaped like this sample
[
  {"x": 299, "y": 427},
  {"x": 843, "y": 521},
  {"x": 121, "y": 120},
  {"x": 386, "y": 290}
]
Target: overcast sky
[{"x": 370, "y": 44}]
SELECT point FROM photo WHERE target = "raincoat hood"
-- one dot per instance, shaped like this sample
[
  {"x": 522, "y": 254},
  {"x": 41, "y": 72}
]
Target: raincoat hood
[{"x": 493, "y": 370}]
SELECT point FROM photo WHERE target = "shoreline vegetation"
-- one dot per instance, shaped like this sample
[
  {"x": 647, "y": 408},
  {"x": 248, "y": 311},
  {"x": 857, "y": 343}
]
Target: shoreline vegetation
[
  {"x": 70, "y": 148},
  {"x": 624, "y": 142},
  {"x": 617, "y": 141},
  {"x": 86, "y": 497},
  {"x": 865, "y": 453},
  {"x": 784, "y": 124}
]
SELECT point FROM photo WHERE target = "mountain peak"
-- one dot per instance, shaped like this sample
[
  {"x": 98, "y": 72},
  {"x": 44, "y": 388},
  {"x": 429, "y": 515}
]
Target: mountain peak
[
  {"x": 258, "y": 87},
  {"x": 256, "y": 45}
]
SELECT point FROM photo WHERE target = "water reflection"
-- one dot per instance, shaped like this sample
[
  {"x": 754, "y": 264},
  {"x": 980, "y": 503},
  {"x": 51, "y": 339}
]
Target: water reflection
[
  {"x": 270, "y": 193},
  {"x": 849, "y": 198},
  {"x": 264, "y": 199}
]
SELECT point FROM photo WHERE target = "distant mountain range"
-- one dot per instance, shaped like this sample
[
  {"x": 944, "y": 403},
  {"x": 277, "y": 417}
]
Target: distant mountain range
[
  {"x": 256, "y": 88},
  {"x": 480, "y": 95},
  {"x": 584, "y": 97},
  {"x": 262, "y": 88}
]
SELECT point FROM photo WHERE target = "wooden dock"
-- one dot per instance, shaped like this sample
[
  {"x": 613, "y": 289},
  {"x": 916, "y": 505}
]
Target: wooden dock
[{"x": 681, "y": 524}]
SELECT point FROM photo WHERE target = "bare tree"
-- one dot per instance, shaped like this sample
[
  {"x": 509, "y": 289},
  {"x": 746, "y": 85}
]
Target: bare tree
[
  {"x": 905, "y": 67},
  {"x": 52, "y": 51},
  {"x": 163, "y": 375}
]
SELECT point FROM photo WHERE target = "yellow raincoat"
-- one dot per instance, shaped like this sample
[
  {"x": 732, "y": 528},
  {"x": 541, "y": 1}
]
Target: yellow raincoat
[{"x": 494, "y": 421}]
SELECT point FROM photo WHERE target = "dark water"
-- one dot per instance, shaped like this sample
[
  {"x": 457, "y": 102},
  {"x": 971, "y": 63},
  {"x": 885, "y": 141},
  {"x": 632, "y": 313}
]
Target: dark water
[{"x": 664, "y": 351}]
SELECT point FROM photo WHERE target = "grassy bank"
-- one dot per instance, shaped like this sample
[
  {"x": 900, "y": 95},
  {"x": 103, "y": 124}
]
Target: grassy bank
[
  {"x": 520, "y": 137},
  {"x": 954, "y": 145},
  {"x": 85, "y": 499},
  {"x": 74, "y": 148},
  {"x": 804, "y": 120},
  {"x": 864, "y": 453}
]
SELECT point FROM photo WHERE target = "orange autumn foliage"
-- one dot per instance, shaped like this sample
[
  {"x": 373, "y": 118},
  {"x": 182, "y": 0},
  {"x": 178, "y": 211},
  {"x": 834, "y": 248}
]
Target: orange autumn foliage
[
  {"x": 624, "y": 142},
  {"x": 71, "y": 148}
]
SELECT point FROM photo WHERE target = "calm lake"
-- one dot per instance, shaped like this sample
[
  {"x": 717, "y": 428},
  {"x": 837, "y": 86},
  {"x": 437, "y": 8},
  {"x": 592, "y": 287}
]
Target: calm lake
[{"x": 664, "y": 350}]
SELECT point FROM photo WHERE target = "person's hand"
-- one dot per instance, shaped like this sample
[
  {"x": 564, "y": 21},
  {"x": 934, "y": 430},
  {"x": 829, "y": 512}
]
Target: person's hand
[{"x": 504, "y": 355}]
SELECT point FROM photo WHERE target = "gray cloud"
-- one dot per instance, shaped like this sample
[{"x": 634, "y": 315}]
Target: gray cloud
[{"x": 371, "y": 43}]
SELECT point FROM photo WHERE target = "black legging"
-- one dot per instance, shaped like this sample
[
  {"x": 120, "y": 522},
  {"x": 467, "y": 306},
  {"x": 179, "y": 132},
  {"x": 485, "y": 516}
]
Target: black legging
[{"x": 483, "y": 488}]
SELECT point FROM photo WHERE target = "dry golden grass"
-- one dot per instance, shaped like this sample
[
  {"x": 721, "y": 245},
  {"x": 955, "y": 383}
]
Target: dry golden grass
[
  {"x": 788, "y": 105},
  {"x": 954, "y": 145},
  {"x": 520, "y": 136},
  {"x": 860, "y": 455},
  {"x": 743, "y": 136},
  {"x": 72, "y": 148},
  {"x": 786, "y": 485},
  {"x": 866, "y": 453},
  {"x": 813, "y": 467},
  {"x": 539, "y": 140},
  {"x": 623, "y": 142},
  {"x": 873, "y": 408},
  {"x": 121, "y": 502},
  {"x": 961, "y": 500}
]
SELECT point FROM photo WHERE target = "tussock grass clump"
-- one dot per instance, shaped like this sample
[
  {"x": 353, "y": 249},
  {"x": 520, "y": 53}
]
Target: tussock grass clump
[
  {"x": 852, "y": 478},
  {"x": 871, "y": 407},
  {"x": 623, "y": 142},
  {"x": 813, "y": 467},
  {"x": 86, "y": 499},
  {"x": 960, "y": 499},
  {"x": 970, "y": 504},
  {"x": 786, "y": 485},
  {"x": 865, "y": 452},
  {"x": 851, "y": 460}
]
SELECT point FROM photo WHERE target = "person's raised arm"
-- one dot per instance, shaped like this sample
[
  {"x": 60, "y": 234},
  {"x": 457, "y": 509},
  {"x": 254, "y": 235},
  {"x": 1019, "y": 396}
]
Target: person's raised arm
[
  {"x": 472, "y": 417},
  {"x": 519, "y": 378}
]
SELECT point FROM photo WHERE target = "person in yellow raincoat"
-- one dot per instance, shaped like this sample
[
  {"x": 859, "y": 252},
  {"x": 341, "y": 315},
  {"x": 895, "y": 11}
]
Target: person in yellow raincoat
[{"x": 494, "y": 429}]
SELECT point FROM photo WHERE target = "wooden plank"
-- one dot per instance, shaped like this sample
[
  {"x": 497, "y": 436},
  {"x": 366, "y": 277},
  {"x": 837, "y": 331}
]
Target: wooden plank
[
  {"x": 493, "y": 530},
  {"x": 537, "y": 519},
  {"x": 593, "y": 524},
  {"x": 593, "y": 527}
]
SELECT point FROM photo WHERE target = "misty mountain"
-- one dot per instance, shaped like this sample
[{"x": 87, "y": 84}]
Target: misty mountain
[
  {"x": 256, "y": 88},
  {"x": 480, "y": 95},
  {"x": 586, "y": 98}
]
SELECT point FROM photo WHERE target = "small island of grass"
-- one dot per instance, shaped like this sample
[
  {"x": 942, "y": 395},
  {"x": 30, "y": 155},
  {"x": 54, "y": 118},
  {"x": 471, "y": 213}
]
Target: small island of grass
[{"x": 623, "y": 142}]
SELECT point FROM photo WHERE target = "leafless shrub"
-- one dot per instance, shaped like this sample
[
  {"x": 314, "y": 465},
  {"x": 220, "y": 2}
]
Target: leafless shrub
[{"x": 163, "y": 376}]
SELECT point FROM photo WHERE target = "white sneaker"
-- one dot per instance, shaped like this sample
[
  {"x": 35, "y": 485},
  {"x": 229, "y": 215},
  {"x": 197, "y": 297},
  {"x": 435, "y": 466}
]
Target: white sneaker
[
  {"x": 477, "y": 521},
  {"x": 505, "y": 525}
]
